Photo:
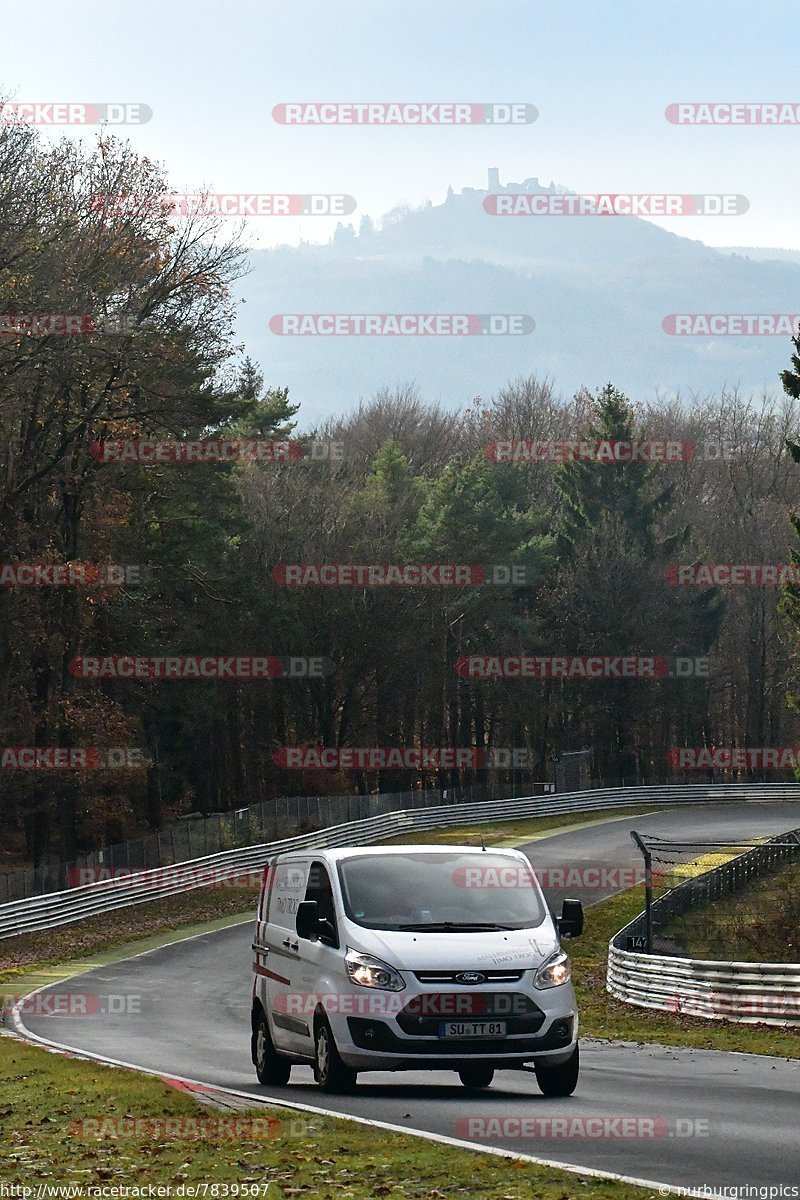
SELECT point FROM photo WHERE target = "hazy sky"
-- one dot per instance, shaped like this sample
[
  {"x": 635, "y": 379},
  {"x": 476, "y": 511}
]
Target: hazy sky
[{"x": 600, "y": 74}]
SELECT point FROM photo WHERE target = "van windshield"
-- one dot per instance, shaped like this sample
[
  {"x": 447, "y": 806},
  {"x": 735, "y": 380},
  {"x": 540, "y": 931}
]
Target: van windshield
[{"x": 440, "y": 893}]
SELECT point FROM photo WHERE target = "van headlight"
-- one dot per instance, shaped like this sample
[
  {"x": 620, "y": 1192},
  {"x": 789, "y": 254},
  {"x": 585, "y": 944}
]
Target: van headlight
[
  {"x": 370, "y": 972},
  {"x": 554, "y": 972}
]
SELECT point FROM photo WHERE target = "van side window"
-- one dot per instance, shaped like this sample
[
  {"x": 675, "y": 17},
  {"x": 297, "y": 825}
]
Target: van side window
[
  {"x": 319, "y": 889},
  {"x": 288, "y": 884}
]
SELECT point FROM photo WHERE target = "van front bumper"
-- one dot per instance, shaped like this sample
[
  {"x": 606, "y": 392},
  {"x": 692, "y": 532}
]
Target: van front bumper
[{"x": 374, "y": 1045}]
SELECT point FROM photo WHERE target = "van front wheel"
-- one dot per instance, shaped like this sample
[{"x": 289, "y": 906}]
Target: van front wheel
[
  {"x": 329, "y": 1071},
  {"x": 558, "y": 1080},
  {"x": 271, "y": 1069}
]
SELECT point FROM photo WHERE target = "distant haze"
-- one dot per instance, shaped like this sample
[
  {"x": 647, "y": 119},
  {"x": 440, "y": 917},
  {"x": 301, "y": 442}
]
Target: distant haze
[{"x": 597, "y": 288}]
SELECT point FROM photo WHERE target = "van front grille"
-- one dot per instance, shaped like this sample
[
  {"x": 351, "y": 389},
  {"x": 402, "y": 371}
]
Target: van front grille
[{"x": 489, "y": 976}]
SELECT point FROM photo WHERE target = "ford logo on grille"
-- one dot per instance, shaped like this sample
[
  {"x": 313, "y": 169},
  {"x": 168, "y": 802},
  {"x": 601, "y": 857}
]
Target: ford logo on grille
[{"x": 470, "y": 977}]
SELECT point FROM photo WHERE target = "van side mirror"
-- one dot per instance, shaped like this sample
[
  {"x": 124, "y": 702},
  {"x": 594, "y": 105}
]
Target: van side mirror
[
  {"x": 570, "y": 923},
  {"x": 307, "y": 921}
]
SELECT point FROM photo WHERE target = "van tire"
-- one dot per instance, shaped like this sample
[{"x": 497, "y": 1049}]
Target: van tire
[
  {"x": 476, "y": 1076},
  {"x": 560, "y": 1080},
  {"x": 329, "y": 1071},
  {"x": 271, "y": 1069}
]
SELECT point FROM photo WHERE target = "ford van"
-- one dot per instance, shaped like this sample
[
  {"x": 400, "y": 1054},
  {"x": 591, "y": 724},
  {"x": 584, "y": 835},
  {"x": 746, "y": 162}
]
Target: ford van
[{"x": 397, "y": 958}]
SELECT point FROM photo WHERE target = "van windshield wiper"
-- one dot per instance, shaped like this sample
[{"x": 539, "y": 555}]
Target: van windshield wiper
[{"x": 454, "y": 926}]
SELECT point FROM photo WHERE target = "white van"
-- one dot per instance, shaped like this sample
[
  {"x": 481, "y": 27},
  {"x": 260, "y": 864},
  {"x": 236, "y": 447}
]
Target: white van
[{"x": 412, "y": 958}]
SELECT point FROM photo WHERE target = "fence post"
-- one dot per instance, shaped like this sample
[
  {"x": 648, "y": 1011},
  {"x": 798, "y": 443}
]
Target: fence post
[{"x": 648, "y": 889}]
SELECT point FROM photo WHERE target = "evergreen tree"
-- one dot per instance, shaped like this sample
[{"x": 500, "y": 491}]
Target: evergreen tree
[{"x": 612, "y": 597}]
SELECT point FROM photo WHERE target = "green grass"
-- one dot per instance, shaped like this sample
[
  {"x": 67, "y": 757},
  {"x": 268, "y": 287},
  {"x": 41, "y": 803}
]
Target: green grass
[
  {"x": 45, "y": 1097},
  {"x": 603, "y": 1016},
  {"x": 760, "y": 923}
]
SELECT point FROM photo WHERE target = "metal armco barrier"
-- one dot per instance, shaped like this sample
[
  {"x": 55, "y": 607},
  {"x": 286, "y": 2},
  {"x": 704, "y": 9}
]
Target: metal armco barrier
[
  {"x": 197, "y": 836},
  {"x": 763, "y": 993},
  {"x": 61, "y": 908},
  {"x": 749, "y": 992}
]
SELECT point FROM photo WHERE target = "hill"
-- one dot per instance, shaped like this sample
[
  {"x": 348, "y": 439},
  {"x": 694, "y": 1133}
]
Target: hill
[{"x": 597, "y": 288}]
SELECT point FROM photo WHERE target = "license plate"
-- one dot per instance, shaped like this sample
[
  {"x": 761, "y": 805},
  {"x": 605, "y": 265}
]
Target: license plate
[{"x": 472, "y": 1029}]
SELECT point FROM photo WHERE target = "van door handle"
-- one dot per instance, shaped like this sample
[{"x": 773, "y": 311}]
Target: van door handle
[{"x": 290, "y": 945}]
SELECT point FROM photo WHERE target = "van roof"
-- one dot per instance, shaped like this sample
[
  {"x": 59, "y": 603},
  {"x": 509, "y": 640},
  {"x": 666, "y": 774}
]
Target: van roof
[{"x": 336, "y": 854}]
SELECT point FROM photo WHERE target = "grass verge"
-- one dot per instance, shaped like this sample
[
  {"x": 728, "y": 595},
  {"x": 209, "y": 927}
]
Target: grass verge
[
  {"x": 96, "y": 935},
  {"x": 276, "y": 1153},
  {"x": 515, "y": 833}
]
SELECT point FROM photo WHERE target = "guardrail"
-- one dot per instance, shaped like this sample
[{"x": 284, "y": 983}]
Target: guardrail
[
  {"x": 755, "y": 993},
  {"x": 749, "y": 992},
  {"x": 196, "y": 836},
  {"x": 77, "y": 904}
]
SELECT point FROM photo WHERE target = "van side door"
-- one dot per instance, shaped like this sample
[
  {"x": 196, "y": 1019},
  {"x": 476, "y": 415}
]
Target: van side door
[
  {"x": 321, "y": 967},
  {"x": 279, "y": 962}
]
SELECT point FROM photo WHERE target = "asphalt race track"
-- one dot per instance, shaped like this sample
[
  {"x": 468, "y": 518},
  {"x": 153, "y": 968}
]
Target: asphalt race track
[{"x": 194, "y": 1022}]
